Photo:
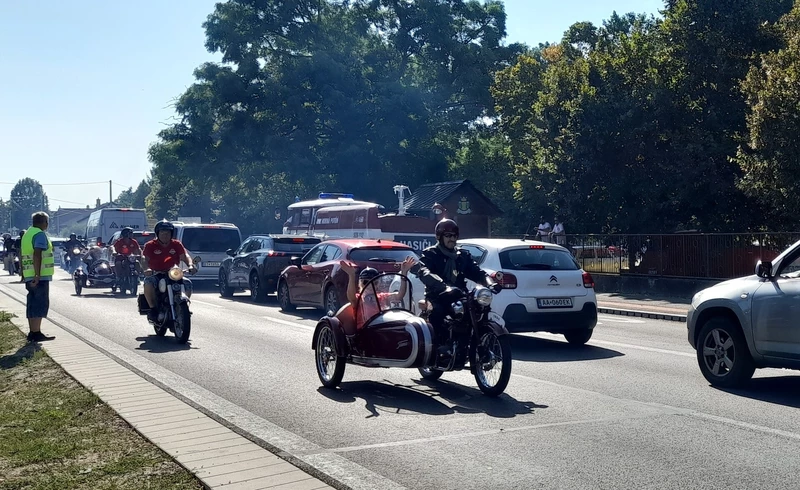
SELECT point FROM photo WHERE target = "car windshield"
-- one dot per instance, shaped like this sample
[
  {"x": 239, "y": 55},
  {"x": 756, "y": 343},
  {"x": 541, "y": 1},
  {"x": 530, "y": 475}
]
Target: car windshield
[
  {"x": 527, "y": 259},
  {"x": 381, "y": 254},
  {"x": 385, "y": 292},
  {"x": 210, "y": 239}
]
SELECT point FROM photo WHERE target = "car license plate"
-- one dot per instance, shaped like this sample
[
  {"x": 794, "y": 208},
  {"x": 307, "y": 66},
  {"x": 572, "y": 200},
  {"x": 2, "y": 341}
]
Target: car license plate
[
  {"x": 554, "y": 302},
  {"x": 210, "y": 264}
]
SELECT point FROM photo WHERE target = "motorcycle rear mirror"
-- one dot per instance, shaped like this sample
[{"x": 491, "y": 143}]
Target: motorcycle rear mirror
[{"x": 230, "y": 252}]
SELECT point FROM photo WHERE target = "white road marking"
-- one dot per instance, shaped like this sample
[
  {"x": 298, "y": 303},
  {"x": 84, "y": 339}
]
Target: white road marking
[{"x": 204, "y": 303}]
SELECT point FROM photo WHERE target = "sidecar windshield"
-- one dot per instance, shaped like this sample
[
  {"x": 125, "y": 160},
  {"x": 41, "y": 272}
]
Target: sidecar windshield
[{"x": 383, "y": 293}]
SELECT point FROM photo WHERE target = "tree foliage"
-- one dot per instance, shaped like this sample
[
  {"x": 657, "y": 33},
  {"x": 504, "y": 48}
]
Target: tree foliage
[
  {"x": 27, "y": 197},
  {"x": 634, "y": 125}
]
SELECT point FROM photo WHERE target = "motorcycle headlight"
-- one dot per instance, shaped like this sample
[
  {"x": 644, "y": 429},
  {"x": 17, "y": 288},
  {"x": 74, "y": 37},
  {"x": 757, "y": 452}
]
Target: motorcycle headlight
[
  {"x": 175, "y": 274},
  {"x": 103, "y": 266},
  {"x": 162, "y": 286},
  {"x": 131, "y": 258},
  {"x": 76, "y": 251},
  {"x": 483, "y": 296}
]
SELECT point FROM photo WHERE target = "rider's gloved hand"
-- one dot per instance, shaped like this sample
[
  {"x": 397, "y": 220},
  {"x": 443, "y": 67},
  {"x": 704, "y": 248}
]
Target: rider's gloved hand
[{"x": 496, "y": 288}]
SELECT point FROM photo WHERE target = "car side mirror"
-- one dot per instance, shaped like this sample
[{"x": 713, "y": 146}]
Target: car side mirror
[
  {"x": 764, "y": 269},
  {"x": 295, "y": 261},
  {"x": 230, "y": 252}
]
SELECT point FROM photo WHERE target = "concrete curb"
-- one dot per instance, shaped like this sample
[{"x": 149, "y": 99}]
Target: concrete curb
[
  {"x": 643, "y": 314},
  {"x": 216, "y": 455}
]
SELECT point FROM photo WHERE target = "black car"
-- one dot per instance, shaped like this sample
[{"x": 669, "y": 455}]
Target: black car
[{"x": 257, "y": 263}]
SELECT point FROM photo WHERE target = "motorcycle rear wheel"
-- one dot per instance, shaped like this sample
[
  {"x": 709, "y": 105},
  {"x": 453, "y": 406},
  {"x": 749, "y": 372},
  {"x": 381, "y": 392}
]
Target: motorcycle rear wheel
[{"x": 492, "y": 350}]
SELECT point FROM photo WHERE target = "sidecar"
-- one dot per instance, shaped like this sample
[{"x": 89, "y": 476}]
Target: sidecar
[
  {"x": 99, "y": 275},
  {"x": 379, "y": 330}
]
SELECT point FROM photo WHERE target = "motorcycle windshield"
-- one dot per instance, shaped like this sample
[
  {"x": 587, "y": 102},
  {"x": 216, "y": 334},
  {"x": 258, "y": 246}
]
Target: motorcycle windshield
[{"x": 384, "y": 293}]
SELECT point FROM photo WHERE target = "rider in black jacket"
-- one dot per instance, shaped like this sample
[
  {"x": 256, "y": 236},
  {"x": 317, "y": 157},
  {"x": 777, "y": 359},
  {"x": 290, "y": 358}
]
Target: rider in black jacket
[{"x": 444, "y": 267}]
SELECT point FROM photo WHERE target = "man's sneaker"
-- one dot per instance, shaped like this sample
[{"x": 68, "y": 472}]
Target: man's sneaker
[{"x": 39, "y": 337}]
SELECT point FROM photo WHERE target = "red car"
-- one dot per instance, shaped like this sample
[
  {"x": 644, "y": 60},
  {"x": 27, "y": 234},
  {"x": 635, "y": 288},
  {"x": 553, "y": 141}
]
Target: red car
[{"x": 317, "y": 280}]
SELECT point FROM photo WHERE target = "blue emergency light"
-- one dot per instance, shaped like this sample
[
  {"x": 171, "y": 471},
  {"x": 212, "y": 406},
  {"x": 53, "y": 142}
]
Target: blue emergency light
[{"x": 334, "y": 195}]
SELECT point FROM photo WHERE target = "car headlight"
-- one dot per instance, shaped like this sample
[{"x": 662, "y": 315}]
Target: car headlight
[
  {"x": 483, "y": 296},
  {"x": 175, "y": 274}
]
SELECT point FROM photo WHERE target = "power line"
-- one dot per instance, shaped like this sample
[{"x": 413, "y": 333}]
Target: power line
[{"x": 75, "y": 183}]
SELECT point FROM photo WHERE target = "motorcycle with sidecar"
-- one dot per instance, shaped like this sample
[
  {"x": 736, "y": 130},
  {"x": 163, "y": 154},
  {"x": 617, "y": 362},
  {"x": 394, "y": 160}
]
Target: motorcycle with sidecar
[{"x": 381, "y": 330}]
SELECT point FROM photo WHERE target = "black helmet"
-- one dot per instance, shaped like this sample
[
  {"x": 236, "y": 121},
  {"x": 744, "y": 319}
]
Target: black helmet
[
  {"x": 368, "y": 274},
  {"x": 446, "y": 226},
  {"x": 127, "y": 232},
  {"x": 73, "y": 236},
  {"x": 164, "y": 225}
]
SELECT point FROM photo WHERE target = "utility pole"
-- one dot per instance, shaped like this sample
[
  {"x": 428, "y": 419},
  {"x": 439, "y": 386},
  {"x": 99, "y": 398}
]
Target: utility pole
[{"x": 110, "y": 193}]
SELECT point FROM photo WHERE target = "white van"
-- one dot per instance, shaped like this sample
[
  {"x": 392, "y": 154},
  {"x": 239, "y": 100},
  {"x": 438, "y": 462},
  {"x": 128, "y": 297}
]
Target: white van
[
  {"x": 103, "y": 223},
  {"x": 210, "y": 243}
]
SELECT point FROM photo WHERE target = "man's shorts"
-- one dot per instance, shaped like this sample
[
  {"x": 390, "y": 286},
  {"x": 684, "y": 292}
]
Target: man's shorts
[
  {"x": 153, "y": 281},
  {"x": 38, "y": 304}
]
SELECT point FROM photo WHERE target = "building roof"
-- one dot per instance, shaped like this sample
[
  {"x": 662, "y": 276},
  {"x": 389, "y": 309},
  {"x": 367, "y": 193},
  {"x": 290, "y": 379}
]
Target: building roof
[{"x": 425, "y": 196}]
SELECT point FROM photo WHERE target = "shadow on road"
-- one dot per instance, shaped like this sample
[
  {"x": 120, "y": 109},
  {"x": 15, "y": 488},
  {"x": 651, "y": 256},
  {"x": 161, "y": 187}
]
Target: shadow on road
[
  {"x": 420, "y": 397},
  {"x": 167, "y": 343},
  {"x": 779, "y": 390},
  {"x": 524, "y": 348},
  {"x": 25, "y": 352}
]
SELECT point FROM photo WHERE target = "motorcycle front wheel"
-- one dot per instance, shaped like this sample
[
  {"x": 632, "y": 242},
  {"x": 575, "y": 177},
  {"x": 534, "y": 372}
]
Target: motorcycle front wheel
[
  {"x": 492, "y": 363},
  {"x": 183, "y": 322}
]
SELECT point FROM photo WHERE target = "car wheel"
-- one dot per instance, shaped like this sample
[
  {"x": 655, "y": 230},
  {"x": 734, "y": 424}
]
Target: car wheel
[
  {"x": 224, "y": 290},
  {"x": 284, "y": 298},
  {"x": 723, "y": 354},
  {"x": 331, "y": 301},
  {"x": 257, "y": 291},
  {"x": 578, "y": 337}
]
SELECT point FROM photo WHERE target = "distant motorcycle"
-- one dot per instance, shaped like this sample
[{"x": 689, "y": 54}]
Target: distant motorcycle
[
  {"x": 98, "y": 275},
  {"x": 128, "y": 276},
  {"x": 173, "y": 306},
  {"x": 74, "y": 256}
]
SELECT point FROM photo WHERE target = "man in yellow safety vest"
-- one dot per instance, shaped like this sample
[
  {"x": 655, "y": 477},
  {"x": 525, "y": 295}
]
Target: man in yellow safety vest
[{"x": 38, "y": 267}]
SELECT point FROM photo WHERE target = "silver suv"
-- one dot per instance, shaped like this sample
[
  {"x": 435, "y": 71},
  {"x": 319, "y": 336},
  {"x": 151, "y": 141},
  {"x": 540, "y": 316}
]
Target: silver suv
[{"x": 748, "y": 323}]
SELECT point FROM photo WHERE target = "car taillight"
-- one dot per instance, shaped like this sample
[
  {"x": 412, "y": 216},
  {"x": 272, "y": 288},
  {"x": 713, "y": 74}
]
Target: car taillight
[
  {"x": 273, "y": 253},
  {"x": 508, "y": 281},
  {"x": 588, "y": 282}
]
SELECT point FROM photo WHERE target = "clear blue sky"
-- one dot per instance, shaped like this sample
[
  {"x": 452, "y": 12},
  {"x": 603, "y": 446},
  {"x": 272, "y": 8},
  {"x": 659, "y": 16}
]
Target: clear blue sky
[{"x": 86, "y": 85}]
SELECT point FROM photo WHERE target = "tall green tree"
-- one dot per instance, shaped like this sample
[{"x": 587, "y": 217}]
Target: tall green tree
[
  {"x": 770, "y": 155},
  {"x": 27, "y": 197},
  {"x": 323, "y": 95}
]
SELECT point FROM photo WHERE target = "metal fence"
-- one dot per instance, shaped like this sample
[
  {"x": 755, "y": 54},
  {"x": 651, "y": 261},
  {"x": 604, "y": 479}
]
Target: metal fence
[{"x": 689, "y": 255}]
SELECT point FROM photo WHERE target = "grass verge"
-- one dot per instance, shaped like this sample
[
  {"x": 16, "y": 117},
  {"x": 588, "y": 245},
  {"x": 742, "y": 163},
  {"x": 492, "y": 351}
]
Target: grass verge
[{"x": 55, "y": 434}]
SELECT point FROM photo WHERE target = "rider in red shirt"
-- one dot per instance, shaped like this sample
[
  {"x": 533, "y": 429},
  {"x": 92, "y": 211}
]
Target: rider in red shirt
[
  {"x": 123, "y": 248},
  {"x": 159, "y": 256}
]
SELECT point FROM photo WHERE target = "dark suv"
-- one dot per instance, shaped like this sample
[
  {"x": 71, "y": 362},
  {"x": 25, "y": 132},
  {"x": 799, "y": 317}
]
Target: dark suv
[{"x": 258, "y": 262}]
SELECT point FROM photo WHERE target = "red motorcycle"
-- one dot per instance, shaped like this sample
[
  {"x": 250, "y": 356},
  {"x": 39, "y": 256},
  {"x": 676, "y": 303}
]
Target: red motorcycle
[{"x": 393, "y": 336}]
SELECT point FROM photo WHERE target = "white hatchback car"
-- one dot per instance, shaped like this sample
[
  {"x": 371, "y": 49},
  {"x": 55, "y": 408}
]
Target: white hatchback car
[{"x": 544, "y": 288}]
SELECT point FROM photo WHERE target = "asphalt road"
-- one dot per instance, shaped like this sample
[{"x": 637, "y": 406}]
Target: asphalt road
[{"x": 629, "y": 410}]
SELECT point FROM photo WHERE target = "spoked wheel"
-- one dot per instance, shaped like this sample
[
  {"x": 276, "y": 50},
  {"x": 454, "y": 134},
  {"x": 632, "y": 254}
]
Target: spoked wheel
[
  {"x": 160, "y": 331},
  {"x": 284, "y": 298},
  {"x": 430, "y": 374},
  {"x": 492, "y": 361},
  {"x": 183, "y": 322},
  {"x": 330, "y": 367}
]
